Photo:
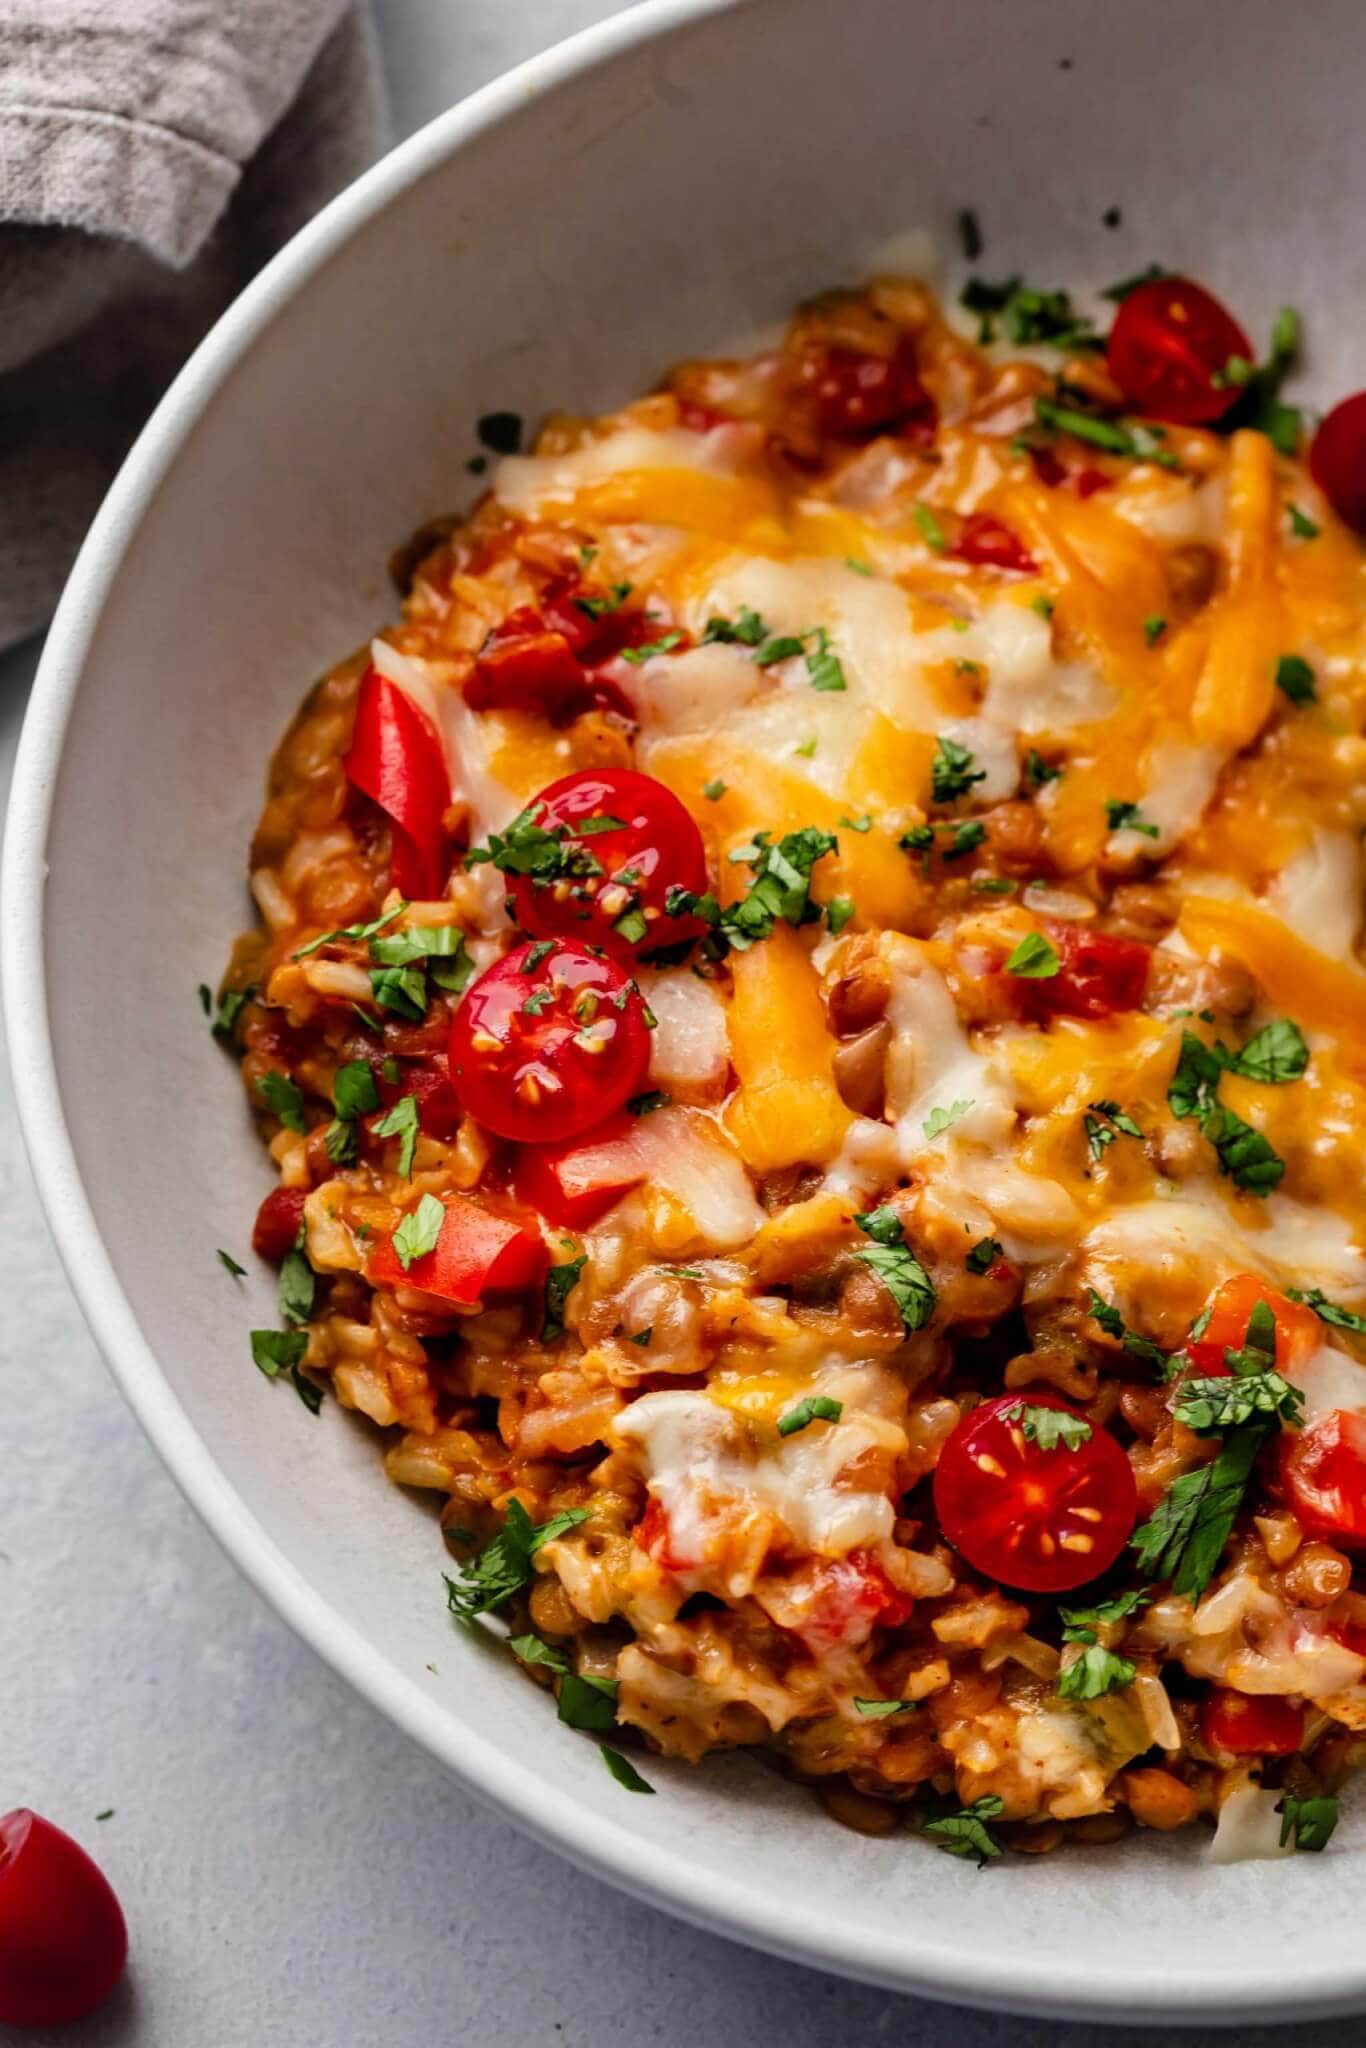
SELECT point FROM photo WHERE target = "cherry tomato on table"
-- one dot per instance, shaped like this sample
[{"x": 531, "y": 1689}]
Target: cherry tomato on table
[
  {"x": 63, "y": 1941},
  {"x": 1322, "y": 1471},
  {"x": 1298, "y": 1330},
  {"x": 1170, "y": 341},
  {"x": 548, "y": 1041},
  {"x": 1042, "y": 1520},
  {"x": 624, "y": 873},
  {"x": 1337, "y": 459},
  {"x": 1247, "y": 1724}
]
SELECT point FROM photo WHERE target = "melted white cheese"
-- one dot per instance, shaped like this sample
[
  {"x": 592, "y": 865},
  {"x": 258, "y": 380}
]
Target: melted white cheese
[
  {"x": 1318, "y": 894},
  {"x": 930, "y": 1063},
  {"x": 1190, "y": 1241},
  {"x": 1249, "y": 1827},
  {"x": 1179, "y": 782},
  {"x": 531, "y": 484}
]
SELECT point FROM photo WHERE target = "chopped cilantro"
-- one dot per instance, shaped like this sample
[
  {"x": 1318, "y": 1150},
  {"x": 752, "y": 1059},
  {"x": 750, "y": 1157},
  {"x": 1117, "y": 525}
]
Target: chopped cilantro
[
  {"x": 531, "y": 1650},
  {"x": 781, "y": 887},
  {"x": 823, "y": 667},
  {"x": 1301, "y": 525},
  {"x": 882, "y": 1710},
  {"x": 1104, "y": 1122},
  {"x": 861, "y": 824},
  {"x": 714, "y": 790},
  {"x": 353, "y": 1090},
  {"x": 1121, "y": 816},
  {"x": 442, "y": 946},
  {"x": 899, "y": 1270},
  {"x": 965, "y": 1832},
  {"x": 1043, "y": 605},
  {"x": 500, "y": 432},
  {"x": 984, "y": 1254},
  {"x": 954, "y": 770},
  {"x": 1261, "y": 405},
  {"x": 930, "y": 528},
  {"x": 1277, "y": 1054},
  {"x": 1295, "y": 679},
  {"x": 589, "y": 1704},
  {"x": 1095, "y": 1672},
  {"x": 814, "y": 1408},
  {"x": 1080, "y": 1623},
  {"x": 665, "y": 644},
  {"x": 400, "y": 989},
  {"x": 1034, "y": 959},
  {"x": 782, "y": 647},
  {"x": 357, "y": 932},
  {"x": 503, "y": 1566},
  {"x": 859, "y": 568},
  {"x": 940, "y": 1120},
  {"x": 966, "y": 839},
  {"x": 341, "y": 1142},
  {"x": 601, "y": 606},
  {"x": 310, "y": 1394},
  {"x": 1038, "y": 771},
  {"x": 1330, "y": 1312},
  {"x": 807, "y": 748},
  {"x": 838, "y": 912},
  {"x": 1183, "y": 1539},
  {"x": 748, "y": 629},
  {"x": 1049, "y": 1428},
  {"x": 1244, "y": 1154},
  {"x": 277, "y": 1351},
  {"x": 1153, "y": 629},
  {"x": 417, "y": 1232},
  {"x": 283, "y": 1097},
  {"x": 297, "y": 1286},
  {"x": 560, "y": 1283},
  {"x": 230, "y": 1007},
  {"x": 1113, "y": 1324},
  {"x": 401, "y": 1122},
  {"x": 1310, "y": 1820},
  {"x": 1215, "y": 1405},
  {"x": 230, "y": 1265},
  {"x": 623, "y": 1770},
  {"x": 1028, "y": 315}
]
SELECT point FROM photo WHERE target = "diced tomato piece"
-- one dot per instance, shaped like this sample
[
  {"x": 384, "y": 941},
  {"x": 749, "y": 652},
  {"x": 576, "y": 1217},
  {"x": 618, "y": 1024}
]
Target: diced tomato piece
[
  {"x": 577, "y": 1182},
  {"x": 1098, "y": 974},
  {"x": 1322, "y": 1471},
  {"x": 480, "y": 1251},
  {"x": 1170, "y": 343},
  {"x": 1252, "y": 1724},
  {"x": 1043, "y": 1520},
  {"x": 524, "y": 666},
  {"x": 397, "y": 759},
  {"x": 846, "y": 1598},
  {"x": 278, "y": 1223},
  {"x": 857, "y": 394},
  {"x": 989, "y": 543},
  {"x": 1298, "y": 1332},
  {"x": 654, "y": 1534},
  {"x": 1337, "y": 459}
]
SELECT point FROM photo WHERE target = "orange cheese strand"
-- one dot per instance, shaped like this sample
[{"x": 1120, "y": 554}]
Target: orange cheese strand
[
  {"x": 1237, "y": 687},
  {"x": 1320, "y": 993},
  {"x": 787, "y": 1108}
]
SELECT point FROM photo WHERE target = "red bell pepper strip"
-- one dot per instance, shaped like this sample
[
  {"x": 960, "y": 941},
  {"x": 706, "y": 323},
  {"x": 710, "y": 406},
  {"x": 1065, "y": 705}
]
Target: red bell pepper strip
[
  {"x": 479, "y": 1252},
  {"x": 396, "y": 758},
  {"x": 578, "y": 1181}
]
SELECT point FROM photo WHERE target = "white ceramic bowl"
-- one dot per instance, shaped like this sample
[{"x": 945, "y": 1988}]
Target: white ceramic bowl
[{"x": 648, "y": 191}]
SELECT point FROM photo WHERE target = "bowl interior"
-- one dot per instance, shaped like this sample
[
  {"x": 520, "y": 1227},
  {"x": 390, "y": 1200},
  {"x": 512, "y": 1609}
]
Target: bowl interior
[{"x": 557, "y": 243}]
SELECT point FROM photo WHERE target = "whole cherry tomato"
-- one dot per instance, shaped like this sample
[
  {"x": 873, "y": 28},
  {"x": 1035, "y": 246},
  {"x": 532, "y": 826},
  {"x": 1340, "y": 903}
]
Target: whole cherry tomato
[
  {"x": 1042, "y": 1520},
  {"x": 548, "y": 1041},
  {"x": 626, "y": 840},
  {"x": 1337, "y": 459},
  {"x": 1168, "y": 348},
  {"x": 1322, "y": 1470},
  {"x": 1298, "y": 1330},
  {"x": 1252, "y": 1724},
  {"x": 63, "y": 1941}
]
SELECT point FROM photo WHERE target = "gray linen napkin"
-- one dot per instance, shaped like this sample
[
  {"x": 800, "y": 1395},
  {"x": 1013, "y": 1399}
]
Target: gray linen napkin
[{"x": 153, "y": 153}]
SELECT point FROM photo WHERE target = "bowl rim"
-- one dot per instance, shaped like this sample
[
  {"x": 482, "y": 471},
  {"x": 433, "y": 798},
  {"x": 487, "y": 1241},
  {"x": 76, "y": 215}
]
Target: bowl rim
[{"x": 608, "y": 1849}]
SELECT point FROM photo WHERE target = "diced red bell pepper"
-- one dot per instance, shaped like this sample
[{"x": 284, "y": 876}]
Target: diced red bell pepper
[
  {"x": 578, "y": 1181},
  {"x": 525, "y": 665},
  {"x": 479, "y": 1252},
  {"x": 397, "y": 759},
  {"x": 278, "y": 1222},
  {"x": 848, "y": 1597},
  {"x": 988, "y": 542},
  {"x": 1298, "y": 1331},
  {"x": 1252, "y": 1724},
  {"x": 1098, "y": 974}
]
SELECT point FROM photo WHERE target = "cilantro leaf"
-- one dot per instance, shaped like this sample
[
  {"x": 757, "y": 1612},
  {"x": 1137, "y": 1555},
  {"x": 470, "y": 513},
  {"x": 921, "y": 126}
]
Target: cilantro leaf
[
  {"x": 966, "y": 839},
  {"x": 400, "y": 989},
  {"x": 1080, "y": 1623},
  {"x": 814, "y": 1408},
  {"x": 230, "y": 1265},
  {"x": 230, "y": 1007},
  {"x": 503, "y": 1566},
  {"x": 623, "y": 1770},
  {"x": 545, "y": 856},
  {"x": 1038, "y": 771},
  {"x": 359, "y": 932},
  {"x": 1153, "y": 629},
  {"x": 401, "y": 1122},
  {"x": 1330, "y": 1312},
  {"x": 297, "y": 1286},
  {"x": 899, "y": 1270},
  {"x": 983, "y": 1255},
  {"x": 1214, "y": 1405},
  {"x": 589, "y": 1704},
  {"x": 1301, "y": 525},
  {"x": 714, "y": 790},
  {"x": 781, "y": 887},
  {"x": 931, "y": 530},
  {"x": 747, "y": 628},
  {"x": 1049, "y": 1428},
  {"x": 1310, "y": 1820},
  {"x": 418, "y": 1232},
  {"x": 340, "y": 1141},
  {"x": 1113, "y": 1324},
  {"x": 953, "y": 770},
  {"x": 603, "y": 605},
  {"x": 1276, "y": 1054},
  {"x": 838, "y": 912},
  {"x": 1295, "y": 679},
  {"x": 1183, "y": 1539},
  {"x": 1034, "y": 959},
  {"x": 284, "y": 1098},
  {"x": 1127, "y": 817},
  {"x": 560, "y": 1283},
  {"x": 782, "y": 647},
  {"x": 882, "y": 1710},
  {"x": 531, "y": 1650},
  {"x": 940, "y": 1120},
  {"x": 823, "y": 667},
  {"x": 1094, "y": 1673},
  {"x": 353, "y": 1091},
  {"x": 442, "y": 946},
  {"x": 1244, "y": 1154},
  {"x": 965, "y": 1833},
  {"x": 277, "y": 1351}
]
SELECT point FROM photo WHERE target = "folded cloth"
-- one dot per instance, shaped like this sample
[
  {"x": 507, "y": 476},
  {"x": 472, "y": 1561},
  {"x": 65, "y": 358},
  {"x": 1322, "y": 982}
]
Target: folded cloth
[{"x": 153, "y": 153}]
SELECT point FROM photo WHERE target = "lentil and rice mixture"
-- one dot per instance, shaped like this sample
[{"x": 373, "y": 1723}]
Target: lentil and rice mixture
[{"x": 808, "y": 1012}]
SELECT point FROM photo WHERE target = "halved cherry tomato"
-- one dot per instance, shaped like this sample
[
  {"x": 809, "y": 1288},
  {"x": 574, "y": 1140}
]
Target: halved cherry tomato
[
  {"x": 1252, "y": 1724},
  {"x": 480, "y": 1251},
  {"x": 845, "y": 1599},
  {"x": 987, "y": 541},
  {"x": 1322, "y": 1471},
  {"x": 616, "y": 899},
  {"x": 397, "y": 759},
  {"x": 1170, "y": 341},
  {"x": 63, "y": 1939},
  {"x": 548, "y": 1041},
  {"x": 577, "y": 1182},
  {"x": 278, "y": 1221},
  {"x": 1337, "y": 459},
  {"x": 857, "y": 394},
  {"x": 1041, "y": 1520},
  {"x": 1097, "y": 975},
  {"x": 1298, "y": 1330}
]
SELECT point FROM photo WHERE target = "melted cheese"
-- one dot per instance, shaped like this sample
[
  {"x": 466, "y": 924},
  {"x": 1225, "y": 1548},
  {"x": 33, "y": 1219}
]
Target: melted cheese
[
  {"x": 1318, "y": 894},
  {"x": 537, "y": 485}
]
